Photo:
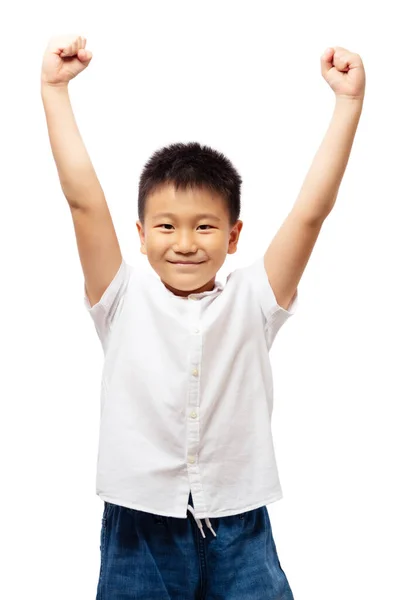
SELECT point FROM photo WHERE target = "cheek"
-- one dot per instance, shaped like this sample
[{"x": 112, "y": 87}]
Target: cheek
[{"x": 156, "y": 243}]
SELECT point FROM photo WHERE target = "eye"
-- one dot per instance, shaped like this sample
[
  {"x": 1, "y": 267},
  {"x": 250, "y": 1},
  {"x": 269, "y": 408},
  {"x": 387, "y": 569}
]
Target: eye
[{"x": 169, "y": 225}]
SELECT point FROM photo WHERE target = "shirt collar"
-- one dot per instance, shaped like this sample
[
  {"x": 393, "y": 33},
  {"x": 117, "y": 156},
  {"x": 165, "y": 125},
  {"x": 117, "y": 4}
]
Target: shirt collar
[{"x": 218, "y": 287}]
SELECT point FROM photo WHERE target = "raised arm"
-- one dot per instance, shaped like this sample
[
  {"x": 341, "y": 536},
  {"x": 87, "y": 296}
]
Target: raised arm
[
  {"x": 99, "y": 250},
  {"x": 290, "y": 250}
]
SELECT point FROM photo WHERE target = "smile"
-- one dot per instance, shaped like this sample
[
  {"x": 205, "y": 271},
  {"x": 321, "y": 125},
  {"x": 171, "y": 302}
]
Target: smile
[{"x": 186, "y": 264}]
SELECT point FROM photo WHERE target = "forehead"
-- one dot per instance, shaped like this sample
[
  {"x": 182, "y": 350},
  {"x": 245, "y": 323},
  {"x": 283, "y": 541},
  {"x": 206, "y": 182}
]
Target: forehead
[{"x": 189, "y": 203}]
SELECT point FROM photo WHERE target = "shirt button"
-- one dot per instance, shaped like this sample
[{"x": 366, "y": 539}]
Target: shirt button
[
  {"x": 193, "y": 414},
  {"x": 191, "y": 459},
  {"x": 195, "y": 372},
  {"x": 196, "y": 330}
]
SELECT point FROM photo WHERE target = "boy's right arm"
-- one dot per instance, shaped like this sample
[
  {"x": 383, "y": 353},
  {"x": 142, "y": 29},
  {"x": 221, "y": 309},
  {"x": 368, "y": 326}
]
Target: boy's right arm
[{"x": 98, "y": 246}]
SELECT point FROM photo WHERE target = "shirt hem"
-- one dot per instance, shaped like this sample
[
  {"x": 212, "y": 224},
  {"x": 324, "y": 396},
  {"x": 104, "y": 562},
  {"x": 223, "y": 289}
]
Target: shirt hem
[{"x": 199, "y": 515}]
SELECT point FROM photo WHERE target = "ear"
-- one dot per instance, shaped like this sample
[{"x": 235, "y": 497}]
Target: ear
[
  {"x": 234, "y": 237},
  {"x": 140, "y": 229}
]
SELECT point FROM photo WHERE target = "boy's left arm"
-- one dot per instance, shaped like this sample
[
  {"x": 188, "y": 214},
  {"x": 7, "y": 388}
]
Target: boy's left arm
[{"x": 291, "y": 248}]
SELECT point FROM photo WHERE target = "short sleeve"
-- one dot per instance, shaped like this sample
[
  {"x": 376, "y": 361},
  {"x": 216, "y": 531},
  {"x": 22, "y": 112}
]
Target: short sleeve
[
  {"x": 275, "y": 315},
  {"x": 108, "y": 307}
]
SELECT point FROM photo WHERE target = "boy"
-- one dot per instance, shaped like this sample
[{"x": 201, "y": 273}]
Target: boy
[{"x": 187, "y": 390}]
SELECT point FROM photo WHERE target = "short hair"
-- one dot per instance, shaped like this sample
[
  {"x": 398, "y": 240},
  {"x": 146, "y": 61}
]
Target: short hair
[{"x": 195, "y": 166}]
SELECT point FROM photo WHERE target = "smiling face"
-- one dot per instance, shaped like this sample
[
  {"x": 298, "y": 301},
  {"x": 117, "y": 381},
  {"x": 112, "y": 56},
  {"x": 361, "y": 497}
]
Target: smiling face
[{"x": 185, "y": 234}]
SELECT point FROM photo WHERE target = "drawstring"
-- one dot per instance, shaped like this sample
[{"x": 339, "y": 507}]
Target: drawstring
[{"x": 199, "y": 524}]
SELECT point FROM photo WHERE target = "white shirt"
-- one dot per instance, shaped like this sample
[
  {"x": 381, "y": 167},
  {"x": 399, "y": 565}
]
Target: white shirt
[{"x": 187, "y": 394}]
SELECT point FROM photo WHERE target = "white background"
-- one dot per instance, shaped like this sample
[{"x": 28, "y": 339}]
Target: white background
[{"x": 245, "y": 79}]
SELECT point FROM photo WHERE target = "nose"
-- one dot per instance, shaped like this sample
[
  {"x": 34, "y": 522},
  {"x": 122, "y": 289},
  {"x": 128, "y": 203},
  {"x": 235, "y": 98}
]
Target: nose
[{"x": 185, "y": 244}]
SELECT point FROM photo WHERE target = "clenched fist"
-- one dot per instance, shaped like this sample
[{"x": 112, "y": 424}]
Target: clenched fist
[{"x": 64, "y": 58}]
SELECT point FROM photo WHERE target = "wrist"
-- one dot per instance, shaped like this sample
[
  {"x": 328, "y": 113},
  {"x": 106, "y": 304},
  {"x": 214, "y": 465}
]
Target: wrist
[
  {"x": 350, "y": 100},
  {"x": 45, "y": 85},
  {"x": 349, "y": 106}
]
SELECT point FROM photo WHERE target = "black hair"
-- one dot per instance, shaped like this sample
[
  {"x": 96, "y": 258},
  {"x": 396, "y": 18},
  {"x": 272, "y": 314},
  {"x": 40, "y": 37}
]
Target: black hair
[{"x": 191, "y": 165}]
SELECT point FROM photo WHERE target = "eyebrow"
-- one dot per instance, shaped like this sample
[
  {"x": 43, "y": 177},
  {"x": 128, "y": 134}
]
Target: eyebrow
[{"x": 172, "y": 216}]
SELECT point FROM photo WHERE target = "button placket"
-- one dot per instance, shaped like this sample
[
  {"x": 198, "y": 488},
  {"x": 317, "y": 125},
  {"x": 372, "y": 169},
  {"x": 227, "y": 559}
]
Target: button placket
[{"x": 193, "y": 412}]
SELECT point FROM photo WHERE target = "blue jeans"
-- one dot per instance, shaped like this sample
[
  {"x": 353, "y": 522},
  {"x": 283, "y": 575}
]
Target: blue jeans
[{"x": 150, "y": 557}]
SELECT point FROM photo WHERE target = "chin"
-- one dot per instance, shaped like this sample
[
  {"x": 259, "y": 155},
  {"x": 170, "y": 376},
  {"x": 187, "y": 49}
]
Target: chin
[{"x": 185, "y": 284}]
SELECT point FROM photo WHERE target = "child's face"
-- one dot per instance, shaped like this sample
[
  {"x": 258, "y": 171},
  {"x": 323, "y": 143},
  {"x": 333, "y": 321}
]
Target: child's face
[{"x": 186, "y": 236}]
